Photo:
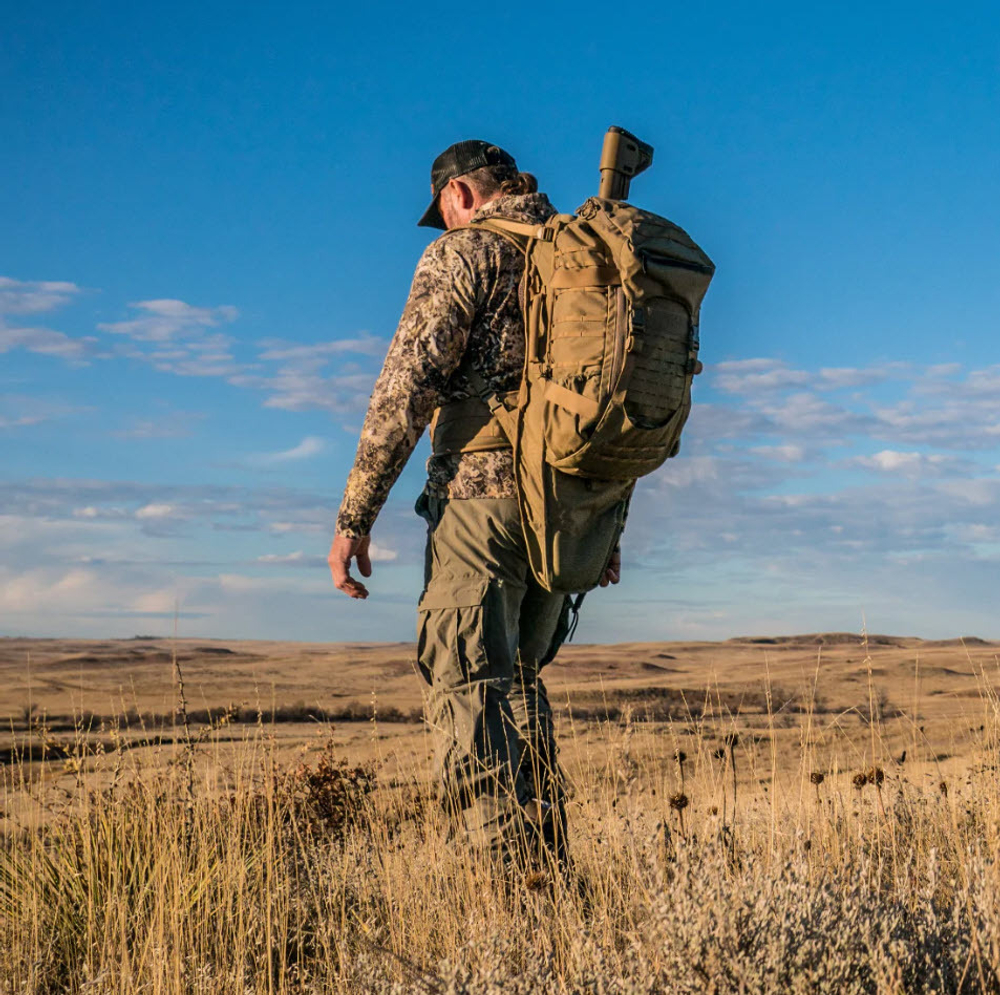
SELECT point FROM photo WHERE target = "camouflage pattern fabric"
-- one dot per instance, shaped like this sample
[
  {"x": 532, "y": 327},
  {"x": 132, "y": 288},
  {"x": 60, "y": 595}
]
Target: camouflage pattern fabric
[{"x": 463, "y": 301}]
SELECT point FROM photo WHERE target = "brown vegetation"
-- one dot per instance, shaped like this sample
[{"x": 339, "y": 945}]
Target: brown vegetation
[{"x": 799, "y": 816}]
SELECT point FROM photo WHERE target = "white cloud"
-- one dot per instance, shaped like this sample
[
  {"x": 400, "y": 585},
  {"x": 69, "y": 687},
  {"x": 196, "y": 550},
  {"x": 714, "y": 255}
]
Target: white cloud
[
  {"x": 232, "y": 583},
  {"x": 750, "y": 376},
  {"x": 36, "y": 589},
  {"x": 364, "y": 344},
  {"x": 22, "y": 410},
  {"x": 45, "y": 342},
  {"x": 837, "y": 378},
  {"x": 292, "y": 389},
  {"x": 158, "y": 603},
  {"x": 975, "y": 493},
  {"x": 20, "y": 421},
  {"x": 782, "y": 454},
  {"x": 179, "y": 338},
  {"x": 263, "y": 509},
  {"x": 310, "y": 446},
  {"x": 52, "y": 595},
  {"x": 34, "y": 296},
  {"x": 156, "y": 511},
  {"x": 168, "y": 320},
  {"x": 909, "y": 464},
  {"x": 381, "y": 554},
  {"x": 376, "y": 552},
  {"x": 297, "y": 558},
  {"x": 765, "y": 375}
]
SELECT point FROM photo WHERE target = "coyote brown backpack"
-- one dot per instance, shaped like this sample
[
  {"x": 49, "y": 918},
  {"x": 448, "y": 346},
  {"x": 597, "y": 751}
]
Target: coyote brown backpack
[{"x": 611, "y": 298}]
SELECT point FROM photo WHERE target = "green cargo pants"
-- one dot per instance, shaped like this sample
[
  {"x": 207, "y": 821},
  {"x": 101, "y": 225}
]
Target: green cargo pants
[{"x": 485, "y": 629}]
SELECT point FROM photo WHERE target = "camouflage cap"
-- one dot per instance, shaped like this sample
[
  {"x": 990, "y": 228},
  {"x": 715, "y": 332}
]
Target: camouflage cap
[{"x": 457, "y": 160}]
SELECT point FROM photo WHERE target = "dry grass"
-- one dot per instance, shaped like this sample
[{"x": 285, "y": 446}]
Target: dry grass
[{"x": 790, "y": 847}]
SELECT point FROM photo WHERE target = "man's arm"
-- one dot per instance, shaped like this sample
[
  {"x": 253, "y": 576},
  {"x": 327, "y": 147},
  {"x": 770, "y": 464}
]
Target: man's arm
[{"x": 425, "y": 351}]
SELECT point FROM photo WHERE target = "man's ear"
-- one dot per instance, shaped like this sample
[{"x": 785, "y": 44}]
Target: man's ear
[{"x": 464, "y": 196}]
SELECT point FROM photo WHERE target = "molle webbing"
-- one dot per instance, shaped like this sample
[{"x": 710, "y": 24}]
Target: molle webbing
[{"x": 467, "y": 426}]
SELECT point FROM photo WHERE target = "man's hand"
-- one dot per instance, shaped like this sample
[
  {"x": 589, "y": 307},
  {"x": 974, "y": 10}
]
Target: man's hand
[
  {"x": 342, "y": 552},
  {"x": 613, "y": 572}
]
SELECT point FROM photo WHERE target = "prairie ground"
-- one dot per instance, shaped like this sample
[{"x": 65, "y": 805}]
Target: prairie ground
[{"x": 803, "y": 813}]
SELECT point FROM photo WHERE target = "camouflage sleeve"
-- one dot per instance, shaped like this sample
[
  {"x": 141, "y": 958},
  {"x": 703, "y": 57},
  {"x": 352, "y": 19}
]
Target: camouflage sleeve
[{"x": 426, "y": 349}]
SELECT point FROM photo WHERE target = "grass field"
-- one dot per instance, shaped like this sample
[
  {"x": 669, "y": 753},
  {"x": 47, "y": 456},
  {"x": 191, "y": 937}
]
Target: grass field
[{"x": 812, "y": 813}]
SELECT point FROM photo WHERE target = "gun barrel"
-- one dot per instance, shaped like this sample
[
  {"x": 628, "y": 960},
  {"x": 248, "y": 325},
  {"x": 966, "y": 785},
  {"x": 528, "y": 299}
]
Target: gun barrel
[{"x": 622, "y": 157}]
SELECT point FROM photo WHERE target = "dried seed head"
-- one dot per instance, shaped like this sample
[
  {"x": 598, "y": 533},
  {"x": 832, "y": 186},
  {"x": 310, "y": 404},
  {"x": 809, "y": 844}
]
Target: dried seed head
[
  {"x": 679, "y": 802},
  {"x": 817, "y": 777},
  {"x": 876, "y": 776},
  {"x": 680, "y": 756},
  {"x": 943, "y": 788},
  {"x": 860, "y": 780},
  {"x": 732, "y": 739},
  {"x": 720, "y": 753},
  {"x": 714, "y": 810}
]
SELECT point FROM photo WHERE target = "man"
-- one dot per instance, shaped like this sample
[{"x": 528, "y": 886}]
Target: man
[{"x": 485, "y": 626}]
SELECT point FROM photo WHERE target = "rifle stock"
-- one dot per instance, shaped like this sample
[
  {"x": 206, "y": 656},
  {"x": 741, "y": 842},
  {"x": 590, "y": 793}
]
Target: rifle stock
[{"x": 623, "y": 157}]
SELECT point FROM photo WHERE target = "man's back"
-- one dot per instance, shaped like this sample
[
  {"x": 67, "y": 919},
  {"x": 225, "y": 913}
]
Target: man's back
[{"x": 463, "y": 308}]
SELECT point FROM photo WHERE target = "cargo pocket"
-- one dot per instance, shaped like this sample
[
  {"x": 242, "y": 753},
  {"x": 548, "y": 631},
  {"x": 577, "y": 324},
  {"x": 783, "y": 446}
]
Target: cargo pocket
[{"x": 461, "y": 636}]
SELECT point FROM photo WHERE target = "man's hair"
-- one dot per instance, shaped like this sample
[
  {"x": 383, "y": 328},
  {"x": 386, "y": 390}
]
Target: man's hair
[{"x": 500, "y": 180}]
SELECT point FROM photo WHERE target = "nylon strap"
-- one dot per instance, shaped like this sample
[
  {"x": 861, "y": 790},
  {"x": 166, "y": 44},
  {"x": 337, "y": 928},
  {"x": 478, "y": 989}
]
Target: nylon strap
[
  {"x": 466, "y": 426},
  {"x": 587, "y": 276},
  {"x": 515, "y": 227},
  {"x": 585, "y": 407}
]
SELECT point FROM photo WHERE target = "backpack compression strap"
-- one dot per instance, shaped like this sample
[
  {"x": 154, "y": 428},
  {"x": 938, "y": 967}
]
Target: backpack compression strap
[{"x": 467, "y": 426}]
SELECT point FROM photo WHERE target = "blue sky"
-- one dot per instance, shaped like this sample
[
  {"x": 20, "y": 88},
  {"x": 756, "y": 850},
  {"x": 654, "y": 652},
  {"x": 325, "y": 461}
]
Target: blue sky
[{"x": 207, "y": 232}]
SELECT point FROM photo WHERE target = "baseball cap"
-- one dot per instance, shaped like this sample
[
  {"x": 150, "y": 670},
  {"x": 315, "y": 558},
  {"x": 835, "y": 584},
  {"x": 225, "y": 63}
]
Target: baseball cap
[{"x": 457, "y": 160}]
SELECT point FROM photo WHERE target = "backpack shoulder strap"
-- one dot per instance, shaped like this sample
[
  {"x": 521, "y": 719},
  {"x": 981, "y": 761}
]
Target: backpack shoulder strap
[
  {"x": 519, "y": 233},
  {"x": 523, "y": 229}
]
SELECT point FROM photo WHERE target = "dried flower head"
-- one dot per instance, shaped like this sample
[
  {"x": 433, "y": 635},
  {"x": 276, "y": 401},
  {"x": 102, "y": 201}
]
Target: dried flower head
[
  {"x": 859, "y": 780},
  {"x": 943, "y": 788},
  {"x": 732, "y": 739},
  {"x": 817, "y": 777},
  {"x": 720, "y": 753},
  {"x": 679, "y": 802},
  {"x": 876, "y": 776},
  {"x": 680, "y": 756}
]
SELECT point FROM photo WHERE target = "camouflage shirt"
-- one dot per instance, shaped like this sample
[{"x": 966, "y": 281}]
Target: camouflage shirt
[{"x": 463, "y": 303}]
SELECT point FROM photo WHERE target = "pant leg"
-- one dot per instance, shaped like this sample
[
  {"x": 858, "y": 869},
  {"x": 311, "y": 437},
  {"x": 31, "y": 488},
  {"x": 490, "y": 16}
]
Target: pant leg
[
  {"x": 475, "y": 570},
  {"x": 543, "y": 627}
]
